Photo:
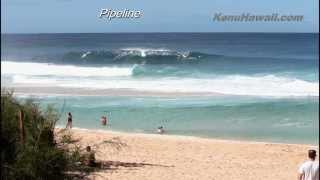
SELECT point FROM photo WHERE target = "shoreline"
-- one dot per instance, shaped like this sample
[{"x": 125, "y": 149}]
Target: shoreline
[
  {"x": 148, "y": 156},
  {"x": 199, "y": 135},
  {"x": 183, "y": 137}
]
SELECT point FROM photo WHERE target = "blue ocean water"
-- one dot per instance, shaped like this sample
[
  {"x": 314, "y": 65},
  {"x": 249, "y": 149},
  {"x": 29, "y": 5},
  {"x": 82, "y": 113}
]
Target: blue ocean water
[{"x": 269, "y": 82}]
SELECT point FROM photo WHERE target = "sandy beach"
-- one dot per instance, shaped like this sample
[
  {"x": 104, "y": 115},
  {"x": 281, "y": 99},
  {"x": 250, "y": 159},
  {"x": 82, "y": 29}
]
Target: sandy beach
[{"x": 147, "y": 156}]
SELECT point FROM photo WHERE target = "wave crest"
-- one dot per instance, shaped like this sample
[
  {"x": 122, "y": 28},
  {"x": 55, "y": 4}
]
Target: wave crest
[{"x": 135, "y": 56}]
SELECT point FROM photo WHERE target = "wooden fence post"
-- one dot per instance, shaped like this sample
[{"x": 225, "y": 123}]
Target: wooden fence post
[{"x": 21, "y": 125}]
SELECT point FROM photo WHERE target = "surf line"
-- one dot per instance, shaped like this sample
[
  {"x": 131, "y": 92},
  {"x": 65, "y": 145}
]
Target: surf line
[{"x": 121, "y": 14}]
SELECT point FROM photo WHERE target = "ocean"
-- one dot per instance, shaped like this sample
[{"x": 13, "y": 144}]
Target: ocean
[{"x": 246, "y": 86}]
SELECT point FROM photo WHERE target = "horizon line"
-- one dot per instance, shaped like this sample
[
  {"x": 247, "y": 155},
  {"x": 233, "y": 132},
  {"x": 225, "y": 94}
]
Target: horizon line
[{"x": 173, "y": 32}]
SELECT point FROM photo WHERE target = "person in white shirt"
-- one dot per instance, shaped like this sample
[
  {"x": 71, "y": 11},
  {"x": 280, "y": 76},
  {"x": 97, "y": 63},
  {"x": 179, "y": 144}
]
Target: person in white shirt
[
  {"x": 309, "y": 170},
  {"x": 160, "y": 130}
]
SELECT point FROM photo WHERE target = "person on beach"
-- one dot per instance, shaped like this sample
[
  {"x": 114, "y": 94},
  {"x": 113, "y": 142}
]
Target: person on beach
[
  {"x": 69, "y": 123},
  {"x": 160, "y": 130},
  {"x": 104, "y": 120},
  {"x": 309, "y": 170}
]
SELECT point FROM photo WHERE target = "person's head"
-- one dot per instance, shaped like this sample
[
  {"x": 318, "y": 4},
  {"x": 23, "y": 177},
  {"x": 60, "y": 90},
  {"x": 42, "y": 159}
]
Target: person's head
[
  {"x": 69, "y": 113},
  {"x": 88, "y": 148},
  {"x": 312, "y": 154}
]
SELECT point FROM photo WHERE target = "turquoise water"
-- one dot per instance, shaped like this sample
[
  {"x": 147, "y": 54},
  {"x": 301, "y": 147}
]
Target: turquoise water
[{"x": 236, "y": 117}]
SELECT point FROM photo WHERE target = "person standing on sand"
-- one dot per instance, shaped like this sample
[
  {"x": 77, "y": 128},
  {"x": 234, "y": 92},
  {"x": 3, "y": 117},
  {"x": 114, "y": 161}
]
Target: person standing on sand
[
  {"x": 69, "y": 123},
  {"x": 309, "y": 170}
]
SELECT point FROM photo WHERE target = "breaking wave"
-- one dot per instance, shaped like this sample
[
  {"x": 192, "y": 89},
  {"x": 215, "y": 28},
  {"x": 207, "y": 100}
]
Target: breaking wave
[
  {"x": 125, "y": 78},
  {"x": 135, "y": 56}
]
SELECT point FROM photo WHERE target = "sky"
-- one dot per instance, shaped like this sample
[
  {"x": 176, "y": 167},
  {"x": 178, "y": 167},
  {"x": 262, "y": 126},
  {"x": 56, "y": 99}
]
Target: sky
[{"x": 81, "y": 16}]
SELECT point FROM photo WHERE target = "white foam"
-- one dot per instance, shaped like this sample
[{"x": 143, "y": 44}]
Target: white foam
[
  {"x": 235, "y": 85},
  {"x": 85, "y": 54},
  {"x": 120, "y": 78},
  {"x": 42, "y": 69},
  {"x": 256, "y": 86},
  {"x": 143, "y": 52}
]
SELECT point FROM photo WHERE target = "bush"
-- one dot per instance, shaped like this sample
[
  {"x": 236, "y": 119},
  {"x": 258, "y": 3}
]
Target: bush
[
  {"x": 66, "y": 138},
  {"x": 29, "y": 152}
]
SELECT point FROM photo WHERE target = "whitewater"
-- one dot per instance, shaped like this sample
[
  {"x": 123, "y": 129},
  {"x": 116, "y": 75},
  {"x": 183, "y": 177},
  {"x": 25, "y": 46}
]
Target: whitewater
[{"x": 114, "y": 77}]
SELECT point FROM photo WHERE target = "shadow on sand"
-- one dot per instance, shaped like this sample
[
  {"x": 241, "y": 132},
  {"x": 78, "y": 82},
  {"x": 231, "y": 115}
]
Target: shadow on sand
[
  {"x": 110, "y": 166},
  {"x": 117, "y": 164}
]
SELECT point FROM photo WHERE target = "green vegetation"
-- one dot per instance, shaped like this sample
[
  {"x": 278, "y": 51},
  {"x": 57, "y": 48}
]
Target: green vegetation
[
  {"x": 29, "y": 149},
  {"x": 66, "y": 138}
]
